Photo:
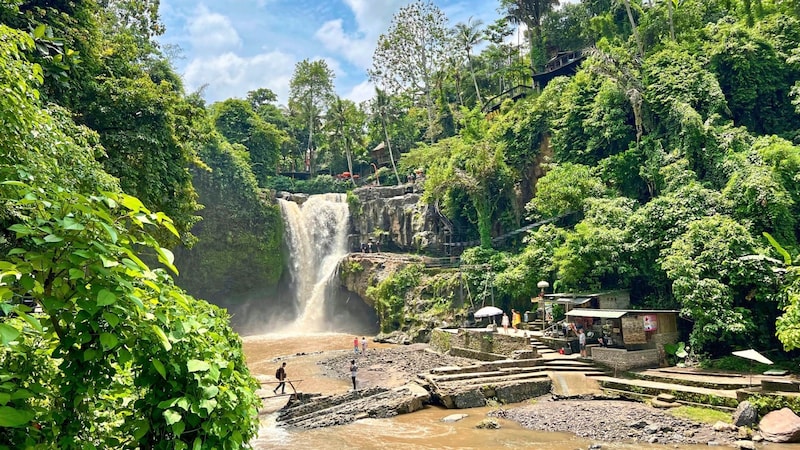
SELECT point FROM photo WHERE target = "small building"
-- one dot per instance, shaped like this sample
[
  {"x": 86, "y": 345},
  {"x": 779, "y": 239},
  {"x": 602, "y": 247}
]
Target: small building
[
  {"x": 380, "y": 154},
  {"x": 627, "y": 338}
]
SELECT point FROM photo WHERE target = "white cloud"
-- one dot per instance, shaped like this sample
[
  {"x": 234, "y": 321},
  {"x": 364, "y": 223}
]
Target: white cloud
[
  {"x": 230, "y": 75},
  {"x": 356, "y": 50},
  {"x": 361, "y": 92},
  {"x": 372, "y": 18},
  {"x": 212, "y": 33}
]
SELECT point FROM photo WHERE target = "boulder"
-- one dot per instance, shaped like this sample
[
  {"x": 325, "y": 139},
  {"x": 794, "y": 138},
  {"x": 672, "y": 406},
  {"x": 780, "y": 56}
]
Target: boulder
[
  {"x": 745, "y": 415},
  {"x": 722, "y": 426},
  {"x": 454, "y": 418},
  {"x": 781, "y": 426},
  {"x": 745, "y": 445}
]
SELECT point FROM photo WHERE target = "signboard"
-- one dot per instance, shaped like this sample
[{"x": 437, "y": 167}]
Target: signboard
[
  {"x": 633, "y": 331},
  {"x": 650, "y": 322}
]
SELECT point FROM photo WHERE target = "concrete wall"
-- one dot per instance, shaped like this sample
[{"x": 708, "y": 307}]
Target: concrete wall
[
  {"x": 621, "y": 359},
  {"x": 479, "y": 340}
]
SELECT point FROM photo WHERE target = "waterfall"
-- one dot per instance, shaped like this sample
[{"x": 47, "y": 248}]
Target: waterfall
[{"x": 316, "y": 234}]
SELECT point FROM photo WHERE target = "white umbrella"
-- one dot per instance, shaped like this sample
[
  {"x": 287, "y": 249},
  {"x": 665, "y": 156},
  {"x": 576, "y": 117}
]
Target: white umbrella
[
  {"x": 752, "y": 355},
  {"x": 488, "y": 311}
]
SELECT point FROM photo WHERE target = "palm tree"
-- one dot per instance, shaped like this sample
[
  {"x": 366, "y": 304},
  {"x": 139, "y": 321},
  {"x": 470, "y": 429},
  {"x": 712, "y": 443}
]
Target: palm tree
[
  {"x": 531, "y": 12},
  {"x": 381, "y": 103},
  {"x": 337, "y": 114},
  {"x": 468, "y": 35}
]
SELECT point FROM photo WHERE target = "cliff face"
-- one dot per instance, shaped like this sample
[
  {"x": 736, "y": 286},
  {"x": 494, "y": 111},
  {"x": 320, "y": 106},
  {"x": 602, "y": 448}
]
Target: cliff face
[
  {"x": 437, "y": 296},
  {"x": 395, "y": 219}
]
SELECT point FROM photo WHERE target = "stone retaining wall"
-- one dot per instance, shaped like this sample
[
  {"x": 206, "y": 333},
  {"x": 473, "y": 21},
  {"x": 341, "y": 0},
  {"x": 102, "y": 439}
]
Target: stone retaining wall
[
  {"x": 478, "y": 340},
  {"x": 621, "y": 359}
]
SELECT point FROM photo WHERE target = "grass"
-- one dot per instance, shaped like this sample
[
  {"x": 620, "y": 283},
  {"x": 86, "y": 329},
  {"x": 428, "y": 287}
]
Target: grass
[{"x": 699, "y": 414}]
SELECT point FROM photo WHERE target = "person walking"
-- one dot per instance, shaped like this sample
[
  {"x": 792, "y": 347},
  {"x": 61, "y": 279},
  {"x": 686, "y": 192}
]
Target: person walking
[
  {"x": 353, "y": 372},
  {"x": 280, "y": 374},
  {"x": 364, "y": 345},
  {"x": 515, "y": 319},
  {"x": 504, "y": 323},
  {"x": 355, "y": 345},
  {"x": 582, "y": 342}
]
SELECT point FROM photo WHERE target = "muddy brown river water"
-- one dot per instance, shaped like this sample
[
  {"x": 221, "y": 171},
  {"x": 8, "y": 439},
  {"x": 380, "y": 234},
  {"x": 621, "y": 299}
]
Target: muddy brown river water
[{"x": 420, "y": 430}]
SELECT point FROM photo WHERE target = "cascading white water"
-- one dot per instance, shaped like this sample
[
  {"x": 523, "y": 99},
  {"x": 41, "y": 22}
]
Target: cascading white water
[{"x": 316, "y": 233}]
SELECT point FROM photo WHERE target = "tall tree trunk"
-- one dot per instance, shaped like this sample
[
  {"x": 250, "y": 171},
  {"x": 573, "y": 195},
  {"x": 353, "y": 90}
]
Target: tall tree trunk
[
  {"x": 389, "y": 147},
  {"x": 474, "y": 80},
  {"x": 349, "y": 158},
  {"x": 671, "y": 23},
  {"x": 635, "y": 29}
]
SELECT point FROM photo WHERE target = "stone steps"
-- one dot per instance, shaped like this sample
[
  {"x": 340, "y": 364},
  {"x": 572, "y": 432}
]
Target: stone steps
[
  {"x": 643, "y": 389},
  {"x": 719, "y": 381}
]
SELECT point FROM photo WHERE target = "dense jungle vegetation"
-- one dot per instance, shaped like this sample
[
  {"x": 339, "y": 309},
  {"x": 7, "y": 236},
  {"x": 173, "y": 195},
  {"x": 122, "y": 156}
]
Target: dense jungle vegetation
[{"x": 673, "y": 155}]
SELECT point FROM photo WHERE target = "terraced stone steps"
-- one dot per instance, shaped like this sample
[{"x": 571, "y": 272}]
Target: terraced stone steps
[{"x": 638, "y": 389}]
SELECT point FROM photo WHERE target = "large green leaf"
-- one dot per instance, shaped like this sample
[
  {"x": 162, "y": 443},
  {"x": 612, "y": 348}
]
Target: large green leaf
[
  {"x": 106, "y": 297},
  {"x": 172, "y": 416},
  {"x": 13, "y": 417},
  {"x": 8, "y": 333},
  {"x": 195, "y": 365},
  {"x": 108, "y": 341},
  {"x": 159, "y": 366}
]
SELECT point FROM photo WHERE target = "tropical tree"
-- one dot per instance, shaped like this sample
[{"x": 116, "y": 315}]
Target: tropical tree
[
  {"x": 239, "y": 124},
  {"x": 468, "y": 36},
  {"x": 411, "y": 51},
  {"x": 531, "y": 12},
  {"x": 345, "y": 122},
  {"x": 310, "y": 92}
]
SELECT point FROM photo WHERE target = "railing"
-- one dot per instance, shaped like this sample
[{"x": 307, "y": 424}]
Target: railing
[{"x": 514, "y": 93}]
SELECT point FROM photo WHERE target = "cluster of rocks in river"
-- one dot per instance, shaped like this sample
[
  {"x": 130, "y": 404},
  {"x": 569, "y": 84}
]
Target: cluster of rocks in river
[{"x": 616, "y": 420}]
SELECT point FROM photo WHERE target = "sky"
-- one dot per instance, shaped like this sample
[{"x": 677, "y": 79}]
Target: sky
[{"x": 234, "y": 46}]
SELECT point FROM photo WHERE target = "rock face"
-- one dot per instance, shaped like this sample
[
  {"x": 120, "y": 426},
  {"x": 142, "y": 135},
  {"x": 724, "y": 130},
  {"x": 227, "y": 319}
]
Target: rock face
[
  {"x": 346, "y": 408},
  {"x": 745, "y": 414},
  {"x": 780, "y": 426},
  {"x": 396, "y": 215}
]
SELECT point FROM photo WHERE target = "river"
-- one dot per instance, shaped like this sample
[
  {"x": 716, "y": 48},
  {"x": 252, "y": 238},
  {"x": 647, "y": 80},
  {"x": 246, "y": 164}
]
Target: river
[{"x": 420, "y": 430}]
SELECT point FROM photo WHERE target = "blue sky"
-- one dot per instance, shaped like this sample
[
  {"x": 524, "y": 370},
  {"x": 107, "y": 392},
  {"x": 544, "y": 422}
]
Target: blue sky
[{"x": 235, "y": 46}]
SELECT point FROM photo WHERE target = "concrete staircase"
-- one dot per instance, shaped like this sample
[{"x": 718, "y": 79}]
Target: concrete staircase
[
  {"x": 507, "y": 381},
  {"x": 542, "y": 348}
]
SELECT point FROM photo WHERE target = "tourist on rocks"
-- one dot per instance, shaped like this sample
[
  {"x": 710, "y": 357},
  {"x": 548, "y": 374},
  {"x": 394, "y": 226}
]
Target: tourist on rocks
[
  {"x": 363, "y": 345},
  {"x": 355, "y": 345},
  {"x": 353, "y": 372},
  {"x": 582, "y": 341},
  {"x": 504, "y": 323},
  {"x": 280, "y": 374}
]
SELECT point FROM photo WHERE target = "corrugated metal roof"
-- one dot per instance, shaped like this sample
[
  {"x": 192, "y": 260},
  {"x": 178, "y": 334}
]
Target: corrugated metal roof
[{"x": 600, "y": 313}]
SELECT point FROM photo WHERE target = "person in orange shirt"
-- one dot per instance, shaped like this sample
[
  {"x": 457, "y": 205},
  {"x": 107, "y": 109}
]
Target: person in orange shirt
[{"x": 515, "y": 319}]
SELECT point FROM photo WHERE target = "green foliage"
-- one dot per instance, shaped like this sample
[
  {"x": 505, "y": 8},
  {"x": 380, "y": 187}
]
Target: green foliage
[
  {"x": 239, "y": 124},
  {"x": 321, "y": 184},
  {"x": 754, "y": 74},
  {"x": 79, "y": 374},
  {"x": 390, "y": 296},
  {"x": 700, "y": 414},
  {"x": 594, "y": 255},
  {"x": 766, "y": 403},
  {"x": 707, "y": 267},
  {"x": 564, "y": 189},
  {"x": 240, "y": 239}
]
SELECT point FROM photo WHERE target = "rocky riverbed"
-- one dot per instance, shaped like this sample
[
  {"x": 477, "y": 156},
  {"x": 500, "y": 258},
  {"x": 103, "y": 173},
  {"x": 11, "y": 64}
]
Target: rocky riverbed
[
  {"x": 600, "y": 420},
  {"x": 614, "y": 420}
]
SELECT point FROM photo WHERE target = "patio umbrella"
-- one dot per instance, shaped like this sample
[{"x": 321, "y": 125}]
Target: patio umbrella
[
  {"x": 752, "y": 355},
  {"x": 488, "y": 311}
]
